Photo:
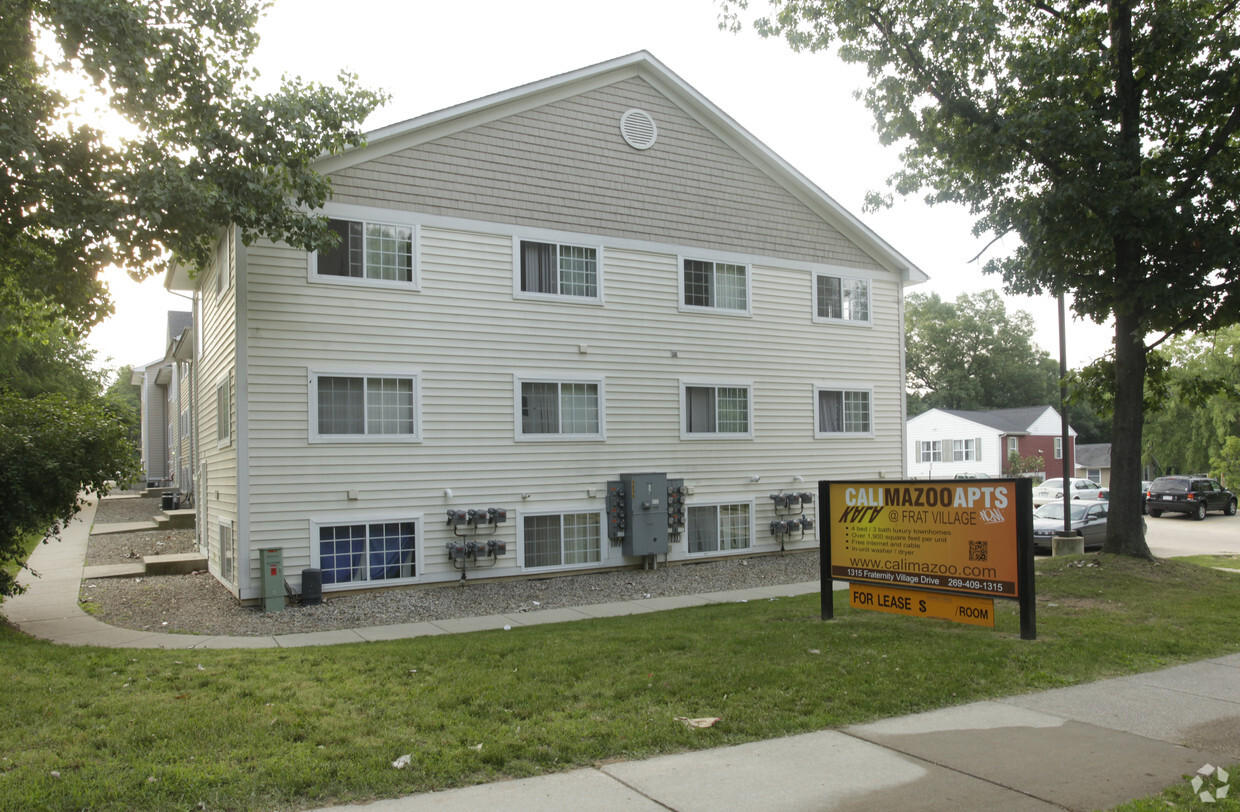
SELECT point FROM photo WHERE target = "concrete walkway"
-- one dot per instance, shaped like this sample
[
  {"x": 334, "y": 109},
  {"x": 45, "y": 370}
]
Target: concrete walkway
[{"x": 1087, "y": 747}]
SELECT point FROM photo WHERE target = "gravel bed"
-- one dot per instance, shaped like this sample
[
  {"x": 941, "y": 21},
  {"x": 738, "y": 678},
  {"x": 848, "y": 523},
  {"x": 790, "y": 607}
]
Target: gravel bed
[
  {"x": 117, "y": 509},
  {"x": 198, "y": 604},
  {"x": 128, "y": 548}
]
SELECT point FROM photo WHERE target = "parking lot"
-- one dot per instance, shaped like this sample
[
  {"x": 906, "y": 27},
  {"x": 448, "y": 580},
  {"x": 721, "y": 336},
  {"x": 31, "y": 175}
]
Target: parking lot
[{"x": 1175, "y": 534}]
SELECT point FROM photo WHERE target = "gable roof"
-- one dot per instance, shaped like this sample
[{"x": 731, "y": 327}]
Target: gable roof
[
  {"x": 642, "y": 64},
  {"x": 1093, "y": 455},
  {"x": 1008, "y": 421}
]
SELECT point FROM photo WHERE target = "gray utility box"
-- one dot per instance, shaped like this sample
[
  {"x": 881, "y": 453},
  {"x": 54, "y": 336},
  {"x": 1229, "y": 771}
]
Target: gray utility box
[
  {"x": 272, "y": 562},
  {"x": 641, "y": 501}
]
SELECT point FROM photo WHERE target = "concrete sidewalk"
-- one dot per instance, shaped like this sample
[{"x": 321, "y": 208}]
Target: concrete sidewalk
[{"x": 1087, "y": 747}]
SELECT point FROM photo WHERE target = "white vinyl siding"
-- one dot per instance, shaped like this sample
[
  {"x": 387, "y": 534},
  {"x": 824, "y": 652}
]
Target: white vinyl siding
[
  {"x": 841, "y": 299},
  {"x": 721, "y": 287},
  {"x": 350, "y": 406},
  {"x": 559, "y": 409},
  {"x": 545, "y": 269},
  {"x": 561, "y": 540},
  {"x": 843, "y": 411},
  {"x": 471, "y": 341}
]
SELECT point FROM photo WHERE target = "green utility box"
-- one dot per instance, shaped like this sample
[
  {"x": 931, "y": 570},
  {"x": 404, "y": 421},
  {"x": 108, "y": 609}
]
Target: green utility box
[{"x": 272, "y": 562}]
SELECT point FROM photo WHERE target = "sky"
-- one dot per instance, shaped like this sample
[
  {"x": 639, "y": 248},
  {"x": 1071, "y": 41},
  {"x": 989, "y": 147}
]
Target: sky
[{"x": 432, "y": 55}]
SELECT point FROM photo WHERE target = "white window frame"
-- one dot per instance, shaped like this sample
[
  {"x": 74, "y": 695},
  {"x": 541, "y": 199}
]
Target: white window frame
[
  {"x": 317, "y": 523},
  {"x": 519, "y": 380},
  {"x": 844, "y": 389},
  {"x": 927, "y": 449},
  {"x": 1059, "y": 448},
  {"x": 868, "y": 321},
  {"x": 689, "y": 511},
  {"x": 714, "y": 309},
  {"x": 562, "y": 567},
  {"x": 223, "y": 262},
  {"x": 368, "y": 215},
  {"x": 227, "y": 552},
  {"x": 223, "y": 396},
  {"x": 519, "y": 293},
  {"x": 349, "y": 371},
  {"x": 1013, "y": 446},
  {"x": 964, "y": 450},
  {"x": 686, "y": 384}
]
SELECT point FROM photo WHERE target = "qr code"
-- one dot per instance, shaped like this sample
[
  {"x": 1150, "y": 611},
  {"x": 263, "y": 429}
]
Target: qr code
[{"x": 979, "y": 550}]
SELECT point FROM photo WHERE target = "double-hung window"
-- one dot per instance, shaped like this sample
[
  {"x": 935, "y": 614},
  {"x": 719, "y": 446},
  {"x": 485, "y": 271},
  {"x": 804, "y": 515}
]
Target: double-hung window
[
  {"x": 716, "y": 410},
  {"x": 366, "y": 552},
  {"x": 561, "y": 540},
  {"x": 719, "y": 528},
  {"x": 843, "y": 411},
  {"x": 563, "y": 409},
  {"x": 223, "y": 412},
  {"x": 346, "y": 406},
  {"x": 841, "y": 298},
  {"x": 368, "y": 252},
  {"x": 930, "y": 451},
  {"x": 1059, "y": 448},
  {"x": 719, "y": 286},
  {"x": 964, "y": 450},
  {"x": 553, "y": 269}
]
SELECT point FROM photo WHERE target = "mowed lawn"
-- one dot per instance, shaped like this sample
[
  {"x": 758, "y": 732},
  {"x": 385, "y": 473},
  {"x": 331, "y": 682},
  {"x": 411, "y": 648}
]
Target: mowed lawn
[{"x": 291, "y": 728}]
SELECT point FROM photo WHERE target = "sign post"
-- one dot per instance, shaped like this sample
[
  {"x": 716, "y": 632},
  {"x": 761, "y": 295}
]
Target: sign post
[{"x": 969, "y": 540}]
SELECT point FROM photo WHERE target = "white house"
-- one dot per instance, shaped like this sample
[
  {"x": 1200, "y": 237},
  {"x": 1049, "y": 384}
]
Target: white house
[
  {"x": 164, "y": 405},
  {"x": 535, "y": 294},
  {"x": 944, "y": 443}
]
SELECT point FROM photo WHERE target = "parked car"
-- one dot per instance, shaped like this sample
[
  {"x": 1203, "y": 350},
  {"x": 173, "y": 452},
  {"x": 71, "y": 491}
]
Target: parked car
[
  {"x": 1087, "y": 518},
  {"x": 1052, "y": 489},
  {"x": 1145, "y": 492},
  {"x": 1194, "y": 495}
]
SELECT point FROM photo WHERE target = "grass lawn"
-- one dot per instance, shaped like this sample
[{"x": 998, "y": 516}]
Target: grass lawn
[{"x": 292, "y": 728}]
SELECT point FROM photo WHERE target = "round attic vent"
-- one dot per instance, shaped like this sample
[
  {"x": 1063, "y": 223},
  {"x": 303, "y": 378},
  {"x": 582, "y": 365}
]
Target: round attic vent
[{"x": 638, "y": 129}]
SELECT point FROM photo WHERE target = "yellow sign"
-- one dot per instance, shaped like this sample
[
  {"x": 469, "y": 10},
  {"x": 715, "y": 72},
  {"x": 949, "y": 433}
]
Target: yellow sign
[
  {"x": 915, "y": 603},
  {"x": 954, "y": 536}
]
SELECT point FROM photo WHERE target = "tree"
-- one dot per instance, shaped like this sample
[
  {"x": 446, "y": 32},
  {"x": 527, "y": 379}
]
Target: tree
[
  {"x": 126, "y": 403},
  {"x": 62, "y": 445},
  {"x": 971, "y": 354},
  {"x": 1196, "y": 410},
  {"x": 1103, "y": 134},
  {"x": 201, "y": 150}
]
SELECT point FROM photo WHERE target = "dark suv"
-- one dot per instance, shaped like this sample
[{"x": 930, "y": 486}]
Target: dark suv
[{"x": 1193, "y": 495}]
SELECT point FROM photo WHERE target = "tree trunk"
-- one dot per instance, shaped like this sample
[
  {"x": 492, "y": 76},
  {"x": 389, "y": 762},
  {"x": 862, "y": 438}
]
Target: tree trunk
[{"x": 1125, "y": 524}]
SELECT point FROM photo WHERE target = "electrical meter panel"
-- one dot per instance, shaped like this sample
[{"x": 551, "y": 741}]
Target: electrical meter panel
[{"x": 638, "y": 513}]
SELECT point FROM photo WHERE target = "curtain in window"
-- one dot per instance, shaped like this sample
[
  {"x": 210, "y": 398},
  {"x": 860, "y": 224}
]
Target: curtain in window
[
  {"x": 703, "y": 530},
  {"x": 389, "y": 405},
  {"x": 578, "y": 271},
  {"x": 830, "y": 412},
  {"x": 730, "y": 288},
  {"x": 539, "y": 267},
  {"x": 541, "y": 545},
  {"x": 341, "y": 406},
  {"x": 391, "y": 551},
  {"x": 340, "y": 553},
  {"x": 579, "y": 408},
  {"x": 540, "y": 408},
  {"x": 734, "y": 527},
  {"x": 700, "y": 406}
]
